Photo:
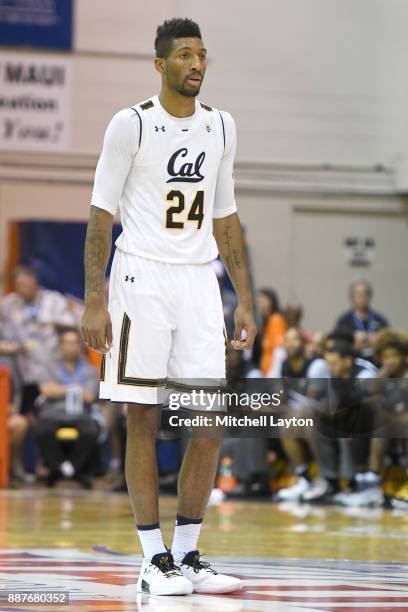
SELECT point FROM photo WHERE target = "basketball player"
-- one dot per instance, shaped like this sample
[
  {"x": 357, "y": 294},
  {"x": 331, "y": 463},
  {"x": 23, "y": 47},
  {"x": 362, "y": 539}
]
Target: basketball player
[{"x": 168, "y": 163}]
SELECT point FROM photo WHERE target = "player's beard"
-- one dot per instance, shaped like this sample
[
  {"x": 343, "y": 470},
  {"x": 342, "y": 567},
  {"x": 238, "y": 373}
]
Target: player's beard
[
  {"x": 172, "y": 78},
  {"x": 189, "y": 93}
]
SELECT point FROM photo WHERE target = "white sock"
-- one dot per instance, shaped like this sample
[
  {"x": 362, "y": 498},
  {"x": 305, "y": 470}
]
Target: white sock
[
  {"x": 151, "y": 540},
  {"x": 67, "y": 469},
  {"x": 185, "y": 540}
]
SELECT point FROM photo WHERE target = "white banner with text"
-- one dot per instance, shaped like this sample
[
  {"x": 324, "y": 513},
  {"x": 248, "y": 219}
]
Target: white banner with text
[{"x": 35, "y": 100}]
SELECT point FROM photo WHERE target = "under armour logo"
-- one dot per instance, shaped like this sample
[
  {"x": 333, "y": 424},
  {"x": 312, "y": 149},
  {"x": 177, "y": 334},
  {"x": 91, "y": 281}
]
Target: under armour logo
[
  {"x": 129, "y": 278},
  {"x": 157, "y": 128}
]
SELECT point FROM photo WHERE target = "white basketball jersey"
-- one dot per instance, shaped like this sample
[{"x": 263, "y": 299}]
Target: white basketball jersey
[{"x": 170, "y": 177}]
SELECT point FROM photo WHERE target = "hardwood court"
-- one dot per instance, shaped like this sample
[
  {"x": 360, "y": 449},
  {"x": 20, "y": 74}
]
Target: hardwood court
[{"x": 292, "y": 558}]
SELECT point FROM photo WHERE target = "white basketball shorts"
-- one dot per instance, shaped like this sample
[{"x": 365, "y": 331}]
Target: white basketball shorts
[{"x": 168, "y": 324}]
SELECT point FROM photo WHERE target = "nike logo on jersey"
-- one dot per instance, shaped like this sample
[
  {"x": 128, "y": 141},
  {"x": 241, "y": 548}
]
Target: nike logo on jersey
[{"x": 186, "y": 172}]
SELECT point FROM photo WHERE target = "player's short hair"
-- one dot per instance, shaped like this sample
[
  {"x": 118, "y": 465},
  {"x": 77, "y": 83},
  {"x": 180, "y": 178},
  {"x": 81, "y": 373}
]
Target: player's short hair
[
  {"x": 171, "y": 29},
  {"x": 388, "y": 338}
]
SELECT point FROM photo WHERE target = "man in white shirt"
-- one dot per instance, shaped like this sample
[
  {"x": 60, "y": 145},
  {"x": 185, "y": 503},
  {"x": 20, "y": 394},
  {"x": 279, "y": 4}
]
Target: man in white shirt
[
  {"x": 34, "y": 315},
  {"x": 168, "y": 164}
]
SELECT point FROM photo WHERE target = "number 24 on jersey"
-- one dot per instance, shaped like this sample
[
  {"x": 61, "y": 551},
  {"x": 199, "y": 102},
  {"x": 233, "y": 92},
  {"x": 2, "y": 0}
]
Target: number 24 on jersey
[{"x": 196, "y": 212}]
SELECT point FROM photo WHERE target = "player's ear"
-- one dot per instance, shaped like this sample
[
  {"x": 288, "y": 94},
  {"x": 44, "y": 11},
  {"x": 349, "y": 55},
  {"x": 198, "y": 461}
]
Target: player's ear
[{"x": 159, "y": 64}]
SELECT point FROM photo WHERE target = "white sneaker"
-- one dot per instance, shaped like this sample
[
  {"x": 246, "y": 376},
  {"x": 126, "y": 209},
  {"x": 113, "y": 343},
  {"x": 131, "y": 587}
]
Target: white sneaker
[
  {"x": 320, "y": 490},
  {"x": 161, "y": 577},
  {"x": 204, "y": 579},
  {"x": 338, "y": 498},
  {"x": 295, "y": 491},
  {"x": 371, "y": 496}
]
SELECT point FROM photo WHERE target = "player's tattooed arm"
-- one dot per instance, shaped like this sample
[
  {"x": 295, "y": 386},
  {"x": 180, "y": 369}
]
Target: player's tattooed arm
[
  {"x": 231, "y": 246},
  {"x": 96, "y": 325},
  {"x": 98, "y": 245}
]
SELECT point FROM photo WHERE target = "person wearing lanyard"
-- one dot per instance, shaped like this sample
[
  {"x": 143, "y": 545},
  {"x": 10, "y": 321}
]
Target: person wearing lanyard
[
  {"x": 362, "y": 321},
  {"x": 66, "y": 398},
  {"x": 35, "y": 314},
  {"x": 73, "y": 380}
]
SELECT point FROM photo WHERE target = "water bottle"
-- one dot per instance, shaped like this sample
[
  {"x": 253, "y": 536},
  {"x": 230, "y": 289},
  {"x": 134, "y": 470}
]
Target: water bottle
[{"x": 226, "y": 481}]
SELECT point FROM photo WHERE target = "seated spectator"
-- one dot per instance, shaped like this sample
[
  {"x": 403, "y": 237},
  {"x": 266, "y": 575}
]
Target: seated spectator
[
  {"x": 296, "y": 364},
  {"x": 35, "y": 314},
  {"x": 340, "y": 408},
  {"x": 66, "y": 400},
  {"x": 296, "y": 370},
  {"x": 362, "y": 321},
  {"x": 272, "y": 330},
  {"x": 249, "y": 455},
  {"x": 391, "y": 352},
  {"x": 292, "y": 315},
  {"x": 17, "y": 424}
]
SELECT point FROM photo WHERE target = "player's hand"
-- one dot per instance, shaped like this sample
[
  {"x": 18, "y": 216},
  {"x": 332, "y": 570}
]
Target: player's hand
[
  {"x": 244, "y": 322},
  {"x": 96, "y": 328}
]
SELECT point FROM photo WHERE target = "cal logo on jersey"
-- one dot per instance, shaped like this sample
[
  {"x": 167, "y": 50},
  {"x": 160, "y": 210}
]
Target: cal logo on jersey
[{"x": 185, "y": 171}]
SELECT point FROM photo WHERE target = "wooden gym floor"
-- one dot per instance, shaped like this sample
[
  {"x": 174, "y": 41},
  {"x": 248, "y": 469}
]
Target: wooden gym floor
[{"x": 292, "y": 558}]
